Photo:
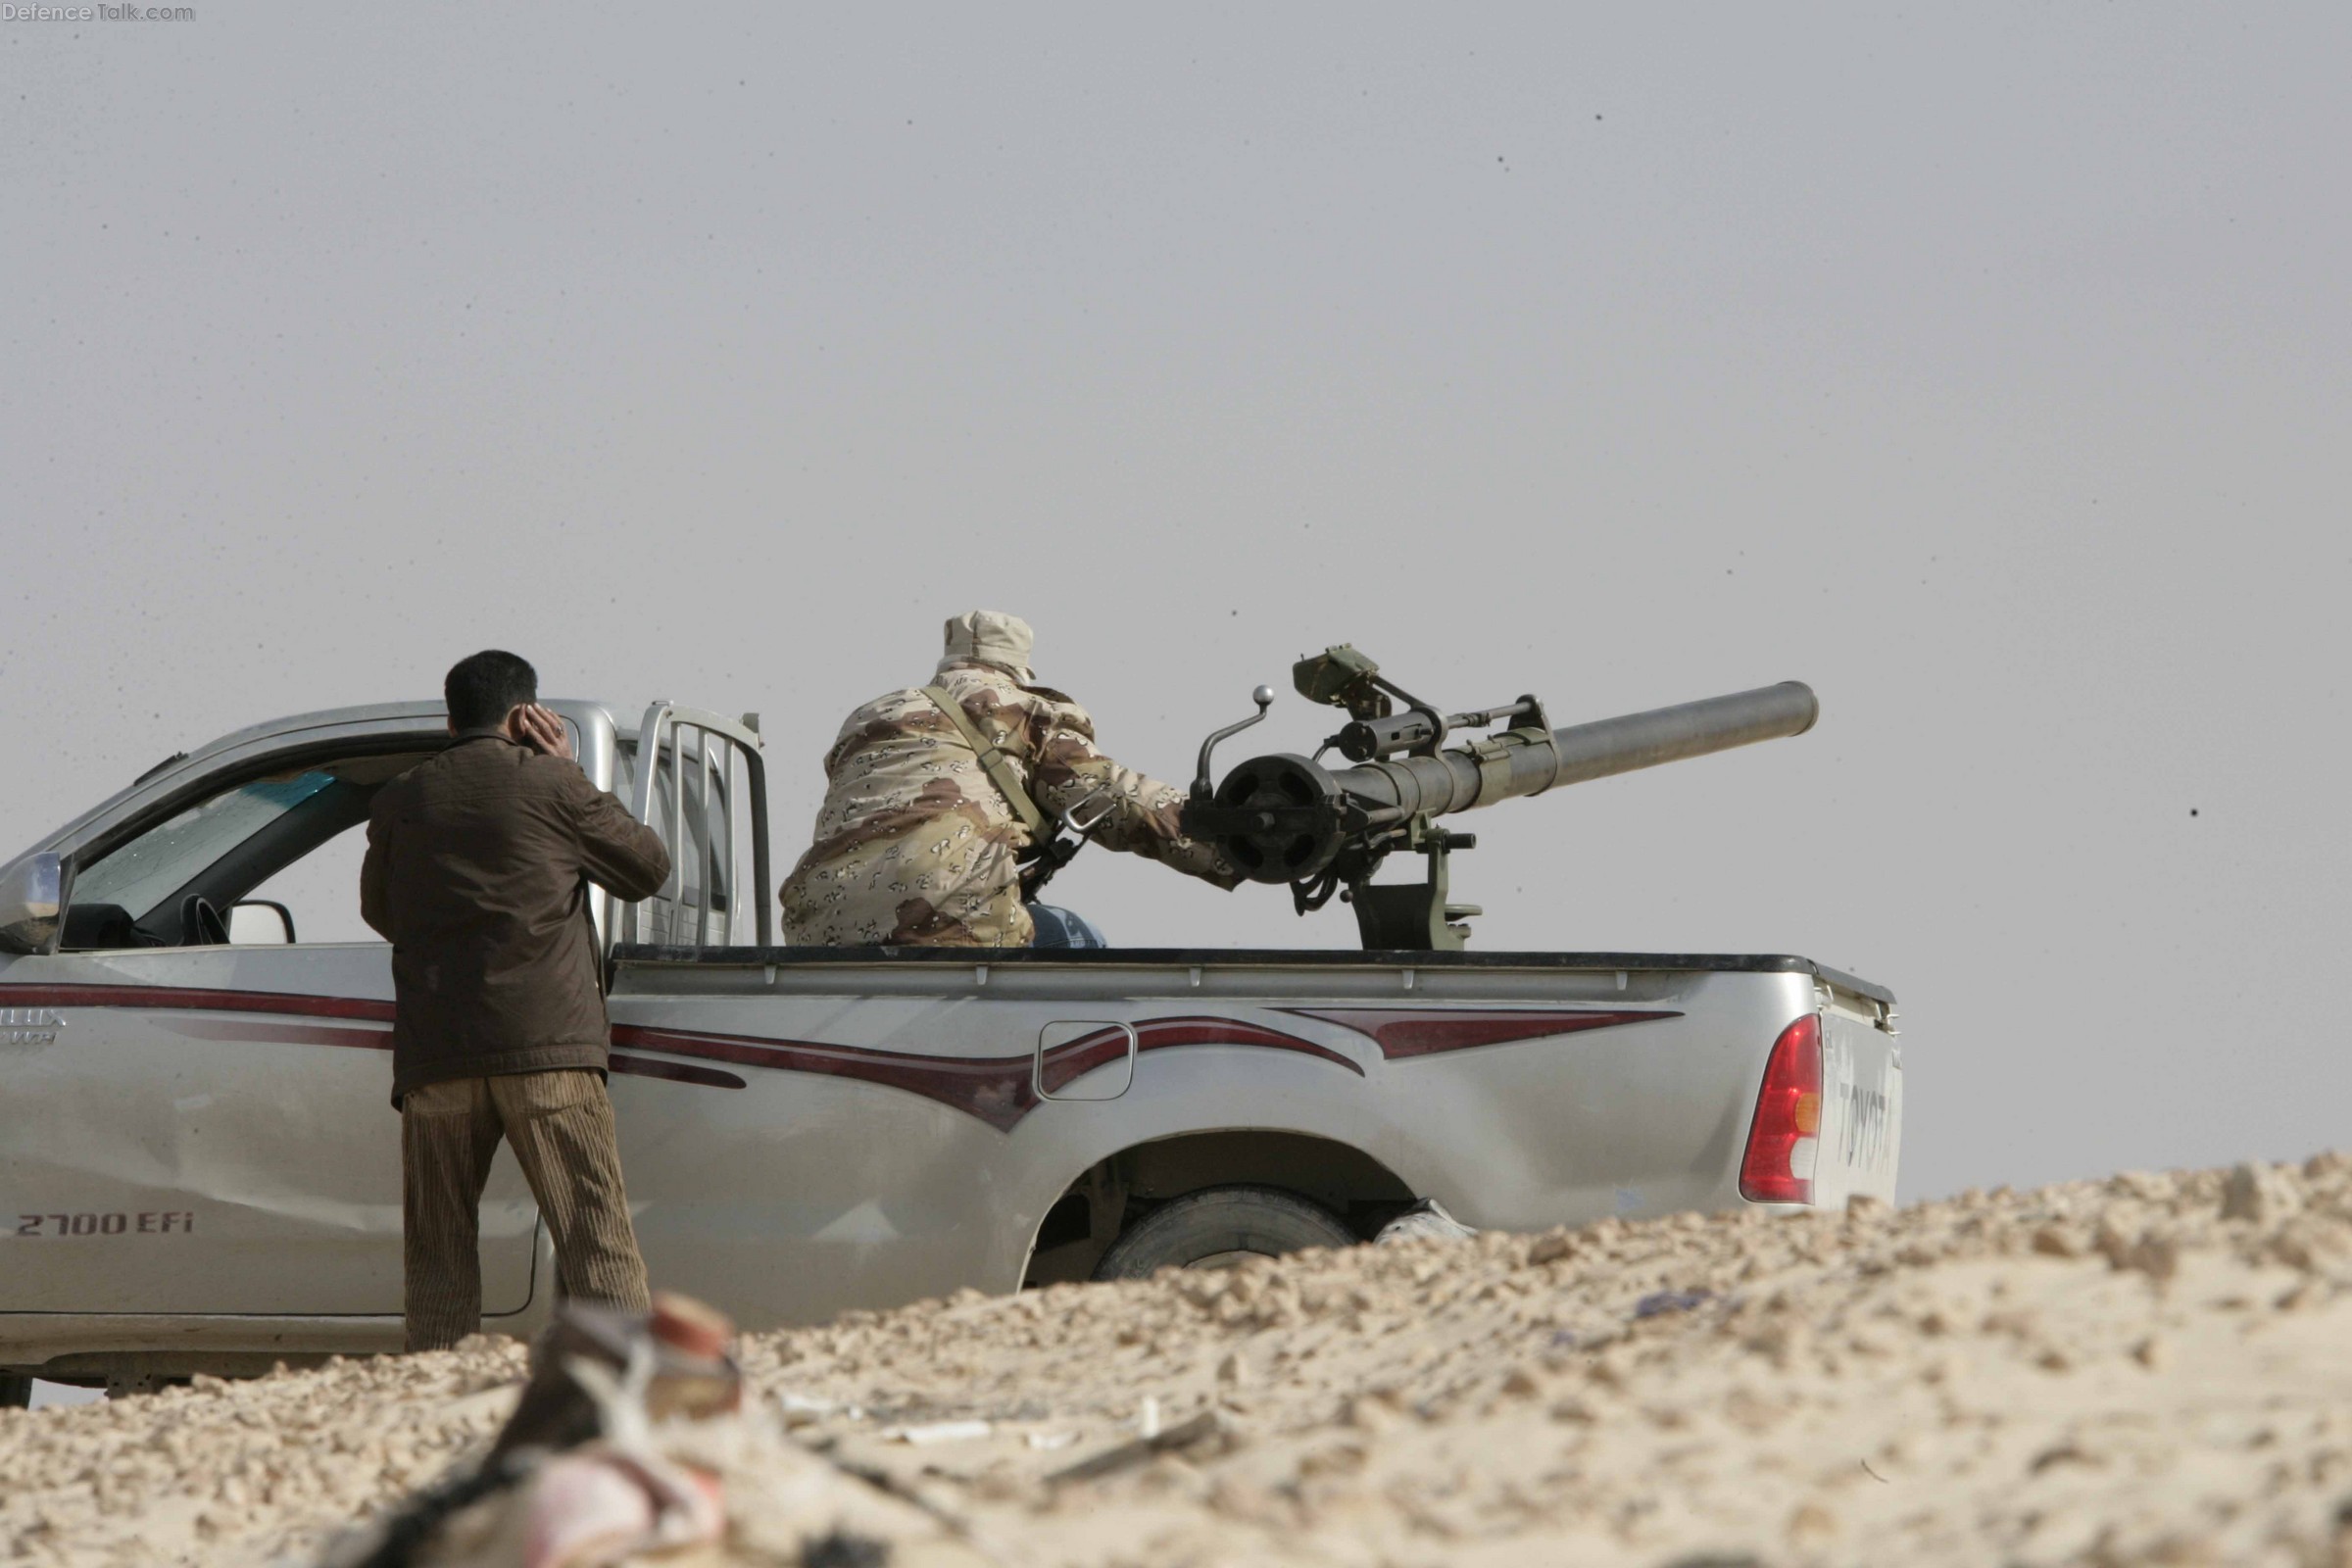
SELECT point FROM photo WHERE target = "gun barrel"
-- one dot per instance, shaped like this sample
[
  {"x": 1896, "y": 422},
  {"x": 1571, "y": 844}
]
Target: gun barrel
[{"x": 1528, "y": 761}]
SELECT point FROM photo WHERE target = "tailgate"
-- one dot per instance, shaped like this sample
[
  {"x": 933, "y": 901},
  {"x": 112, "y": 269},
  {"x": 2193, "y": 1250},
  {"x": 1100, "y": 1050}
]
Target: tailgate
[{"x": 1861, "y": 1101}]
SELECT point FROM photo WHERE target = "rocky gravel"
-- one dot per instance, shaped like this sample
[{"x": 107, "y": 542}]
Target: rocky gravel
[{"x": 2156, "y": 1368}]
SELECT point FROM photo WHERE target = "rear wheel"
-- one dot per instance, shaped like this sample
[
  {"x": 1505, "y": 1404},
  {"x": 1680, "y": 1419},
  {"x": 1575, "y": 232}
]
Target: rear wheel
[
  {"x": 1218, "y": 1227},
  {"x": 16, "y": 1391}
]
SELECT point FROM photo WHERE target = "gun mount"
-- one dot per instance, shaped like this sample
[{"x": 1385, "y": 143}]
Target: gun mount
[{"x": 1283, "y": 818}]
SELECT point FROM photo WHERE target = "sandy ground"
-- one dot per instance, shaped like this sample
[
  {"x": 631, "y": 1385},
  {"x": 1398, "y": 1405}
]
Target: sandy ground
[{"x": 2152, "y": 1369}]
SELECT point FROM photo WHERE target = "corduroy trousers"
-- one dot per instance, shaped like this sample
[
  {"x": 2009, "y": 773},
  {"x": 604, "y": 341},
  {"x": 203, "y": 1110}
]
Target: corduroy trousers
[{"x": 561, "y": 1126}]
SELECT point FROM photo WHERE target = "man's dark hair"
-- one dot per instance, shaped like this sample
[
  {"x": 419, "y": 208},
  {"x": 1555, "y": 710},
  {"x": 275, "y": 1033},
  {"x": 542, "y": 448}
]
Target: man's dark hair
[{"x": 482, "y": 689}]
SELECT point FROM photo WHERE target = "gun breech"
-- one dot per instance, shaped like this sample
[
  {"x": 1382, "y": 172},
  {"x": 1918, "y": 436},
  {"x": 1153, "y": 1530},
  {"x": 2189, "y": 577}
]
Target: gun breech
[{"x": 1284, "y": 818}]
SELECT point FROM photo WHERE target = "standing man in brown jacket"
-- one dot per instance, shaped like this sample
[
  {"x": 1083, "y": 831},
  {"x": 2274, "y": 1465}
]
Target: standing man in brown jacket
[{"x": 477, "y": 870}]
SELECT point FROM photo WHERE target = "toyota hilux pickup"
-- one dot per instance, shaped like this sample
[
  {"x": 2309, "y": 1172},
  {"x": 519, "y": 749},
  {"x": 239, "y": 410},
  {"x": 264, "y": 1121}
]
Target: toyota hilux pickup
[{"x": 200, "y": 1168}]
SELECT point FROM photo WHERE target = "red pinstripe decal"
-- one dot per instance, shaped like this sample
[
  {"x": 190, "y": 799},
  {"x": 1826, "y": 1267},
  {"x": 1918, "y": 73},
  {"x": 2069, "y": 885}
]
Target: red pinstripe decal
[
  {"x": 675, "y": 1071},
  {"x": 298, "y": 1034},
  {"x": 281, "y": 1034},
  {"x": 1432, "y": 1031},
  {"x": 995, "y": 1089},
  {"x": 189, "y": 999},
  {"x": 1071, "y": 1061}
]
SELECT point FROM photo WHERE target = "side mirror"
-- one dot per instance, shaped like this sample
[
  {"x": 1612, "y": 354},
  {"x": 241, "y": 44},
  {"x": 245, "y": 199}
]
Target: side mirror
[
  {"x": 260, "y": 923},
  {"x": 31, "y": 902}
]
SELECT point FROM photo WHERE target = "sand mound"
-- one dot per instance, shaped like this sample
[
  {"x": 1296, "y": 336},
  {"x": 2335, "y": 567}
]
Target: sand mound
[{"x": 2149, "y": 1369}]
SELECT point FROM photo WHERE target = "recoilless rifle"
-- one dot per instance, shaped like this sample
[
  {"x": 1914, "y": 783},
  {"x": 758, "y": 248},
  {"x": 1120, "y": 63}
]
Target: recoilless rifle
[{"x": 1283, "y": 818}]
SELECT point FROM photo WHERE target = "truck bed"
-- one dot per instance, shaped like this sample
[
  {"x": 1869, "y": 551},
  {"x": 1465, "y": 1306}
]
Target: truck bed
[{"x": 928, "y": 1108}]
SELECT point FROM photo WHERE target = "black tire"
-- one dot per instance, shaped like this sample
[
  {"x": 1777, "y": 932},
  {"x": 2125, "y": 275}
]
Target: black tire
[
  {"x": 16, "y": 1391},
  {"x": 1208, "y": 1228}
]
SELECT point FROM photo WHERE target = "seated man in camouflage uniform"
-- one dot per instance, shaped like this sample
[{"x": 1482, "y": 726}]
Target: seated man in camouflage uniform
[{"x": 916, "y": 844}]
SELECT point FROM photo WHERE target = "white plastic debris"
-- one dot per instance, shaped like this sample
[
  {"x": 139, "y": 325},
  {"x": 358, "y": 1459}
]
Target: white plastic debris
[
  {"x": 1425, "y": 1219},
  {"x": 923, "y": 1436}
]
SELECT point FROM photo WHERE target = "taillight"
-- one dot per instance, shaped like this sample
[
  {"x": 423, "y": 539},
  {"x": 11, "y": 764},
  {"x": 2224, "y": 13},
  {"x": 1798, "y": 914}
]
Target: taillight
[{"x": 1784, "y": 1142}]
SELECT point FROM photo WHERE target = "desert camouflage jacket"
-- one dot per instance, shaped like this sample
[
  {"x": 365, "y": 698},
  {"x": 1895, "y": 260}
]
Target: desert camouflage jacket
[{"x": 915, "y": 845}]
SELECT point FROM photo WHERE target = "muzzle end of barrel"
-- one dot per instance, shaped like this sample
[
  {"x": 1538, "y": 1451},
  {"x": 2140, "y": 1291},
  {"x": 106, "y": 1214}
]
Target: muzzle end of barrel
[{"x": 1812, "y": 707}]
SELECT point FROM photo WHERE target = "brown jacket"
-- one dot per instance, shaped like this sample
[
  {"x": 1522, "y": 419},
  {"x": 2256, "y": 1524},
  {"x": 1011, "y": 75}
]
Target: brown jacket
[{"x": 477, "y": 870}]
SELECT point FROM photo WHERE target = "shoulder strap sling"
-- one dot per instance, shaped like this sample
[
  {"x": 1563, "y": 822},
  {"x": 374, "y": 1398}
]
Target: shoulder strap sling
[{"x": 992, "y": 763}]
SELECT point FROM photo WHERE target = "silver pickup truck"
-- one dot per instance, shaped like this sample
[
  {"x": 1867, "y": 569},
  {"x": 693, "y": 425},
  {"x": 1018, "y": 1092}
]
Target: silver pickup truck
[{"x": 200, "y": 1169}]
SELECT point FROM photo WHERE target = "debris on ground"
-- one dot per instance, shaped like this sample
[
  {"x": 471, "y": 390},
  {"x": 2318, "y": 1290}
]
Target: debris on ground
[
  {"x": 1425, "y": 1220},
  {"x": 2147, "y": 1369}
]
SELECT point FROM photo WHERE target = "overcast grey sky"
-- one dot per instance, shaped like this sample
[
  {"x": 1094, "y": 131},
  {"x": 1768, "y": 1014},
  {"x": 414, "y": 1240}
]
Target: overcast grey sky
[{"x": 1984, "y": 366}]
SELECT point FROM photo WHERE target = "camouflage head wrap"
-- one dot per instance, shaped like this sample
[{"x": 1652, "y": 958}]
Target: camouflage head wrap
[{"x": 990, "y": 637}]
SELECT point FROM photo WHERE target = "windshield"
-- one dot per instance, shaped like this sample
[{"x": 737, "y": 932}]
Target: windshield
[{"x": 140, "y": 875}]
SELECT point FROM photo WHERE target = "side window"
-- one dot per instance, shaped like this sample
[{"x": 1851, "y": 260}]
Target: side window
[
  {"x": 174, "y": 881},
  {"x": 320, "y": 893},
  {"x": 137, "y": 876}
]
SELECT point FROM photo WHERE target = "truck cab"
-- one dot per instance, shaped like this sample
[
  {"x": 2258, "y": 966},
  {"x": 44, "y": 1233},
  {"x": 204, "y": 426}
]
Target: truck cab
[{"x": 195, "y": 1030}]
